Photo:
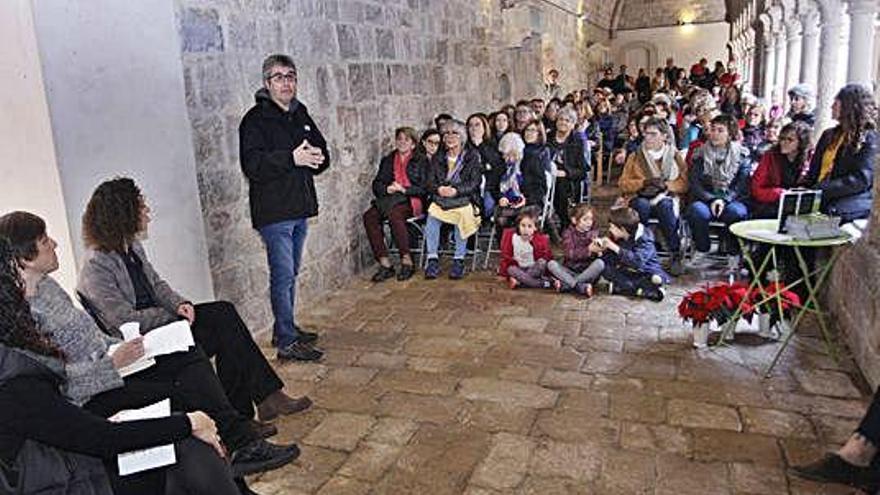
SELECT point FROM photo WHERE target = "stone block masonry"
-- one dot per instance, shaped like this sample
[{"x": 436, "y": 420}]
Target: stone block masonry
[{"x": 365, "y": 67}]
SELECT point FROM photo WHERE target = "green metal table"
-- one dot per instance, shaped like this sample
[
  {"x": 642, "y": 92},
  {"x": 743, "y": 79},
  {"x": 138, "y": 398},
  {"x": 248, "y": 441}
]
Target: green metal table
[{"x": 765, "y": 232}]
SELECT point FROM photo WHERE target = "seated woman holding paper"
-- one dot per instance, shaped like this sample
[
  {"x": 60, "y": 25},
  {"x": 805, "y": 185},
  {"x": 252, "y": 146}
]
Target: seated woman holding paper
[
  {"x": 96, "y": 377},
  {"x": 48, "y": 445},
  {"x": 118, "y": 280},
  {"x": 843, "y": 164},
  {"x": 782, "y": 167}
]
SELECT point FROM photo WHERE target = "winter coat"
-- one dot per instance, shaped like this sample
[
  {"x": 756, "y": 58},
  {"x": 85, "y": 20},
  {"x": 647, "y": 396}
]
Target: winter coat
[
  {"x": 469, "y": 179},
  {"x": 415, "y": 170},
  {"x": 846, "y": 191},
  {"x": 493, "y": 163},
  {"x": 573, "y": 161},
  {"x": 768, "y": 182},
  {"x": 49, "y": 446},
  {"x": 701, "y": 190},
  {"x": 540, "y": 245},
  {"x": 576, "y": 248},
  {"x": 638, "y": 255},
  {"x": 279, "y": 190},
  {"x": 635, "y": 172}
]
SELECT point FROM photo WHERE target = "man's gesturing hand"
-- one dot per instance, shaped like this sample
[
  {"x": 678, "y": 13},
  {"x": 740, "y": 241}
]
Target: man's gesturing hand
[{"x": 306, "y": 155}]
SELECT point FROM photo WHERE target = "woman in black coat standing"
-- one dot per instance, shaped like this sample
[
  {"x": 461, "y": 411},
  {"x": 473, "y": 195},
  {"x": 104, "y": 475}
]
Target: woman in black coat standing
[{"x": 843, "y": 164}]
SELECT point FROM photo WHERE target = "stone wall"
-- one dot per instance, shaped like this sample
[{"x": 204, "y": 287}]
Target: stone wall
[
  {"x": 365, "y": 68},
  {"x": 853, "y": 296}
]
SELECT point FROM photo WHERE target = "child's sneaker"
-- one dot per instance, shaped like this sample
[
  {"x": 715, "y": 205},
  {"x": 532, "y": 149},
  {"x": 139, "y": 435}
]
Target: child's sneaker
[
  {"x": 457, "y": 270},
  {"x": 557, "y": 285},
  {"x": 512, "y": 282},
  {"x": 432, "y": 270},
  {"x": 656, "y": 279}
]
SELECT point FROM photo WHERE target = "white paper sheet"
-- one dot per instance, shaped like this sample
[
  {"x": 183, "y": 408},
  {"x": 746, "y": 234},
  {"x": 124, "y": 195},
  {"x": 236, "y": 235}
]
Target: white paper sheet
[
  {"x": 167, "y": 339},
  {"x": 142, "y": 460}
]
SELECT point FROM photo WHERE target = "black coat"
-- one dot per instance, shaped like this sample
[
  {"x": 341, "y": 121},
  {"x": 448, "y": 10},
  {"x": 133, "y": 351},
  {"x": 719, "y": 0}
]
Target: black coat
[
  {"x": 415, "y": 170},
  {"x": 279, "y": 190},
  {"x": 52, "y": 445},
  {"x": 469, "y": 180},
  {"x": 534, "y": 182},
  {"x": 493, "y": 163},
  {"x": 700, "y": 187},
  {"x": 573, "y": 161},
  {"x": 846, "y": 191}
]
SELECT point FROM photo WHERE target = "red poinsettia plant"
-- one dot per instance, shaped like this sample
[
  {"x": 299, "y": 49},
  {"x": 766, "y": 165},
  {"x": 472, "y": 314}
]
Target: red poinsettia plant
[
  {"x": 720, "y": 302},
  {"x": 716, "y": 303}
]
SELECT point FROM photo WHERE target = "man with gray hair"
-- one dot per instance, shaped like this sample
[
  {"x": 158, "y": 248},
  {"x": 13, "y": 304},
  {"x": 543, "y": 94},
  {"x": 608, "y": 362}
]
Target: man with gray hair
[{"x": 281, "y": 150}]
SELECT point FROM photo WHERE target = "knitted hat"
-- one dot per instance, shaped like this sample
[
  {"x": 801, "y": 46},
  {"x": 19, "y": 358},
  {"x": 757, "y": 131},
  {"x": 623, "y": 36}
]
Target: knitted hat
[{"x": 802, "y": 90}]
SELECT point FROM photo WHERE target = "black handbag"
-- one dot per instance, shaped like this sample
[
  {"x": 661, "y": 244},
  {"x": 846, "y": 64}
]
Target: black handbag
[
  {"x": 452, "y": 203},
  {"x": 385, "y": 203}
]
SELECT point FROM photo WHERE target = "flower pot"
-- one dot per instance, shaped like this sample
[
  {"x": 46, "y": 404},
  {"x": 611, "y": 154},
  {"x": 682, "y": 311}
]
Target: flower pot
[
  {"x": 701, "y": 336},
  {"x": 764, "y": 325}
]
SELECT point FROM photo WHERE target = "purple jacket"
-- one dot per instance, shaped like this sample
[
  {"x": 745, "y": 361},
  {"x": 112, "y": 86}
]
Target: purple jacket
[{"x": 575, "y": 245}]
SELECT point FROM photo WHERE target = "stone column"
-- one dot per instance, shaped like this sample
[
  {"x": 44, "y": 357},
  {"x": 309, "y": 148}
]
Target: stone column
[
  {"x": 793, "y": 55},
  {"x": 810, "y": 48},
  {"x": 862, "y": 16},
  {"x": 778, "y": 92},
  {"x": 769, "y": 67},
  {"x": 829, "y": 38}
]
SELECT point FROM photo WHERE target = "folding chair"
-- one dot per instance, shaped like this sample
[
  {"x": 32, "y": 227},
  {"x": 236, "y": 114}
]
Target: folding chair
[{"x": 416, "y": 224}]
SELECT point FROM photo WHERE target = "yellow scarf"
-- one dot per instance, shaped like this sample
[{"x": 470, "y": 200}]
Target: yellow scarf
[{"x": 829, "y": 156}]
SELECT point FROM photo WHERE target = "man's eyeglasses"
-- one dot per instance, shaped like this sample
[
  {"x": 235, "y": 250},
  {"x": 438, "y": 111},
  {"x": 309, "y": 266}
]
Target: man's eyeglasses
[
  {"x": 277, "y": 78},
  {"x": 432, "y": 142}
]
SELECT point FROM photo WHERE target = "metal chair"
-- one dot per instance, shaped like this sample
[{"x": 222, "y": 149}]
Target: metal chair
[{"x": 416, "y": 224}]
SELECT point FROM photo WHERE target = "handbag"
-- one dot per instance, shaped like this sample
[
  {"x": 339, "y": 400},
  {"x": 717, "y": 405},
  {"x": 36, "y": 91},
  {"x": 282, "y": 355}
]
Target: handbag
[
  {"x": 452, "y": 203},
  {"x": 385, "y": 203}
]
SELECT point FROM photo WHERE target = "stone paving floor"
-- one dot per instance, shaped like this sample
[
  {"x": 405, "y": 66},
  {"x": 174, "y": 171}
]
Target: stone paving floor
[{"x": 443, "y": 387}]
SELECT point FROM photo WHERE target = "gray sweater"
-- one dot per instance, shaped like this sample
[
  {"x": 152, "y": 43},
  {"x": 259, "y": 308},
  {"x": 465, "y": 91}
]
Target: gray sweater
[{"x": 89, "y": 369}]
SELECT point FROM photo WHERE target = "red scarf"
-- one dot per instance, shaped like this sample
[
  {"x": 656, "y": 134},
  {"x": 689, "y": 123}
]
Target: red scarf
[{"x": 400, "y": 176}]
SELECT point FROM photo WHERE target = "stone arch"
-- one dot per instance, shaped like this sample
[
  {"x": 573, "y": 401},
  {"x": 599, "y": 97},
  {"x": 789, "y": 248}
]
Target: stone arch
[
  {"x": 649, "y": 50},
  {"x": 616, "y": 13}
]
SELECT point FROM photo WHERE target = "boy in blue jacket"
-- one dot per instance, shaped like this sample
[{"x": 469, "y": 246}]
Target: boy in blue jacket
[{"x": 631, "y": 262}]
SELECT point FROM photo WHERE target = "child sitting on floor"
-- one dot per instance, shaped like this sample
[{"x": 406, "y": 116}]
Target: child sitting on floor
[
  {"x": 631, "y": 262},
  {"x": 525, "y": 253},
  {"x": 581, "y": 265}
]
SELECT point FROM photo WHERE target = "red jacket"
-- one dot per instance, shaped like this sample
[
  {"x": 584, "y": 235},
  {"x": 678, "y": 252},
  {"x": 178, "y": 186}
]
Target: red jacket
[
  {"x": 766, "y": 186},
  {"x": 540, "y": 244}
]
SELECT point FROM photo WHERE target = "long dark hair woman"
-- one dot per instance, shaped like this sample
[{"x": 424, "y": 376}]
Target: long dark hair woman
[
  {"x": 782, "y": 167},
  {"x": 843, "y": 164},
  {"x": 480, "y": 139},
  {"x": 398, "y": 195},
  {"x": 49, "y": 445}
]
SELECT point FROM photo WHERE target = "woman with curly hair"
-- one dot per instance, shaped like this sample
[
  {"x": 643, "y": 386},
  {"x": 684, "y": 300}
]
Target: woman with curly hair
[
  {"x": 118, "y": 280},
  {"x": 783, "y": 167},
  {"x": 843, "y": 164},
  {"x": 49, "y": 445}
]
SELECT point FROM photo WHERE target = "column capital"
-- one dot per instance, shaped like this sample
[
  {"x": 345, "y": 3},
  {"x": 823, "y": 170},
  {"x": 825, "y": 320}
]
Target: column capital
[
  {"x": 809, "y": 22},
  {"x": 793, "y": 28},
  {"x": 863, "y": 7}
]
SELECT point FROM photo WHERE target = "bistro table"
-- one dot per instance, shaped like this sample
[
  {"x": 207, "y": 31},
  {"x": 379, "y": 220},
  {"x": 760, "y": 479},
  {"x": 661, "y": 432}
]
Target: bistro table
[{"x": 766, "y": 232}]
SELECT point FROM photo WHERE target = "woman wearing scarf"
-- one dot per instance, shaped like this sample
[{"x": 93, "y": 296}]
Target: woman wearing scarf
[
  {"x": 398, "y": 197},
  {"x": 718, "y": 182},
  {"x": 651, "y": 177},
  {"x": 781, "y": 168},
  {"x": 523, "y": 183},
  {"x": 453, "y": 180},
  {"x": 842, "y": 166}
]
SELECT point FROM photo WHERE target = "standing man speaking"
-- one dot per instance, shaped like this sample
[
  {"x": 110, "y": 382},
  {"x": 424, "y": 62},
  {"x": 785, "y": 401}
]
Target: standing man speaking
[{"x": 281, "y": 151}]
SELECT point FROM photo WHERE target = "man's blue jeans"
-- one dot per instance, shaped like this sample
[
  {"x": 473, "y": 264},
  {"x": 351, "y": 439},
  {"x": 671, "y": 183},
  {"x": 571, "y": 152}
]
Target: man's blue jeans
[
  {"x": 432, "y": 239},
  {"x": 284, "y": 245}
]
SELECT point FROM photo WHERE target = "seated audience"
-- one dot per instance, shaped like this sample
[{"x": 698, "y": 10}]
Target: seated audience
[
  {"x": 536, "y": 144},
  {"x": 429, "y": 144},
  {"x": 581, "y": 265},
  {"x": 525, "y": 253},
  {"x": 523, "y": 183},
  {"x": 523, "y": 116},
  {"x": 843, "y": 164},
  {"x": 632, "y": 266},
  {"x": 718, "y": 182},
  {"x": 500, "y": 123},
  {"x": 453, "y": 181},
  {"x": 651, "y": 179},
  {"x": 398, "y": 193},
  {"x": 50, "y": 446},
  {"x": 783, "y": 167},
  {"x": 754, "y": 136}
]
